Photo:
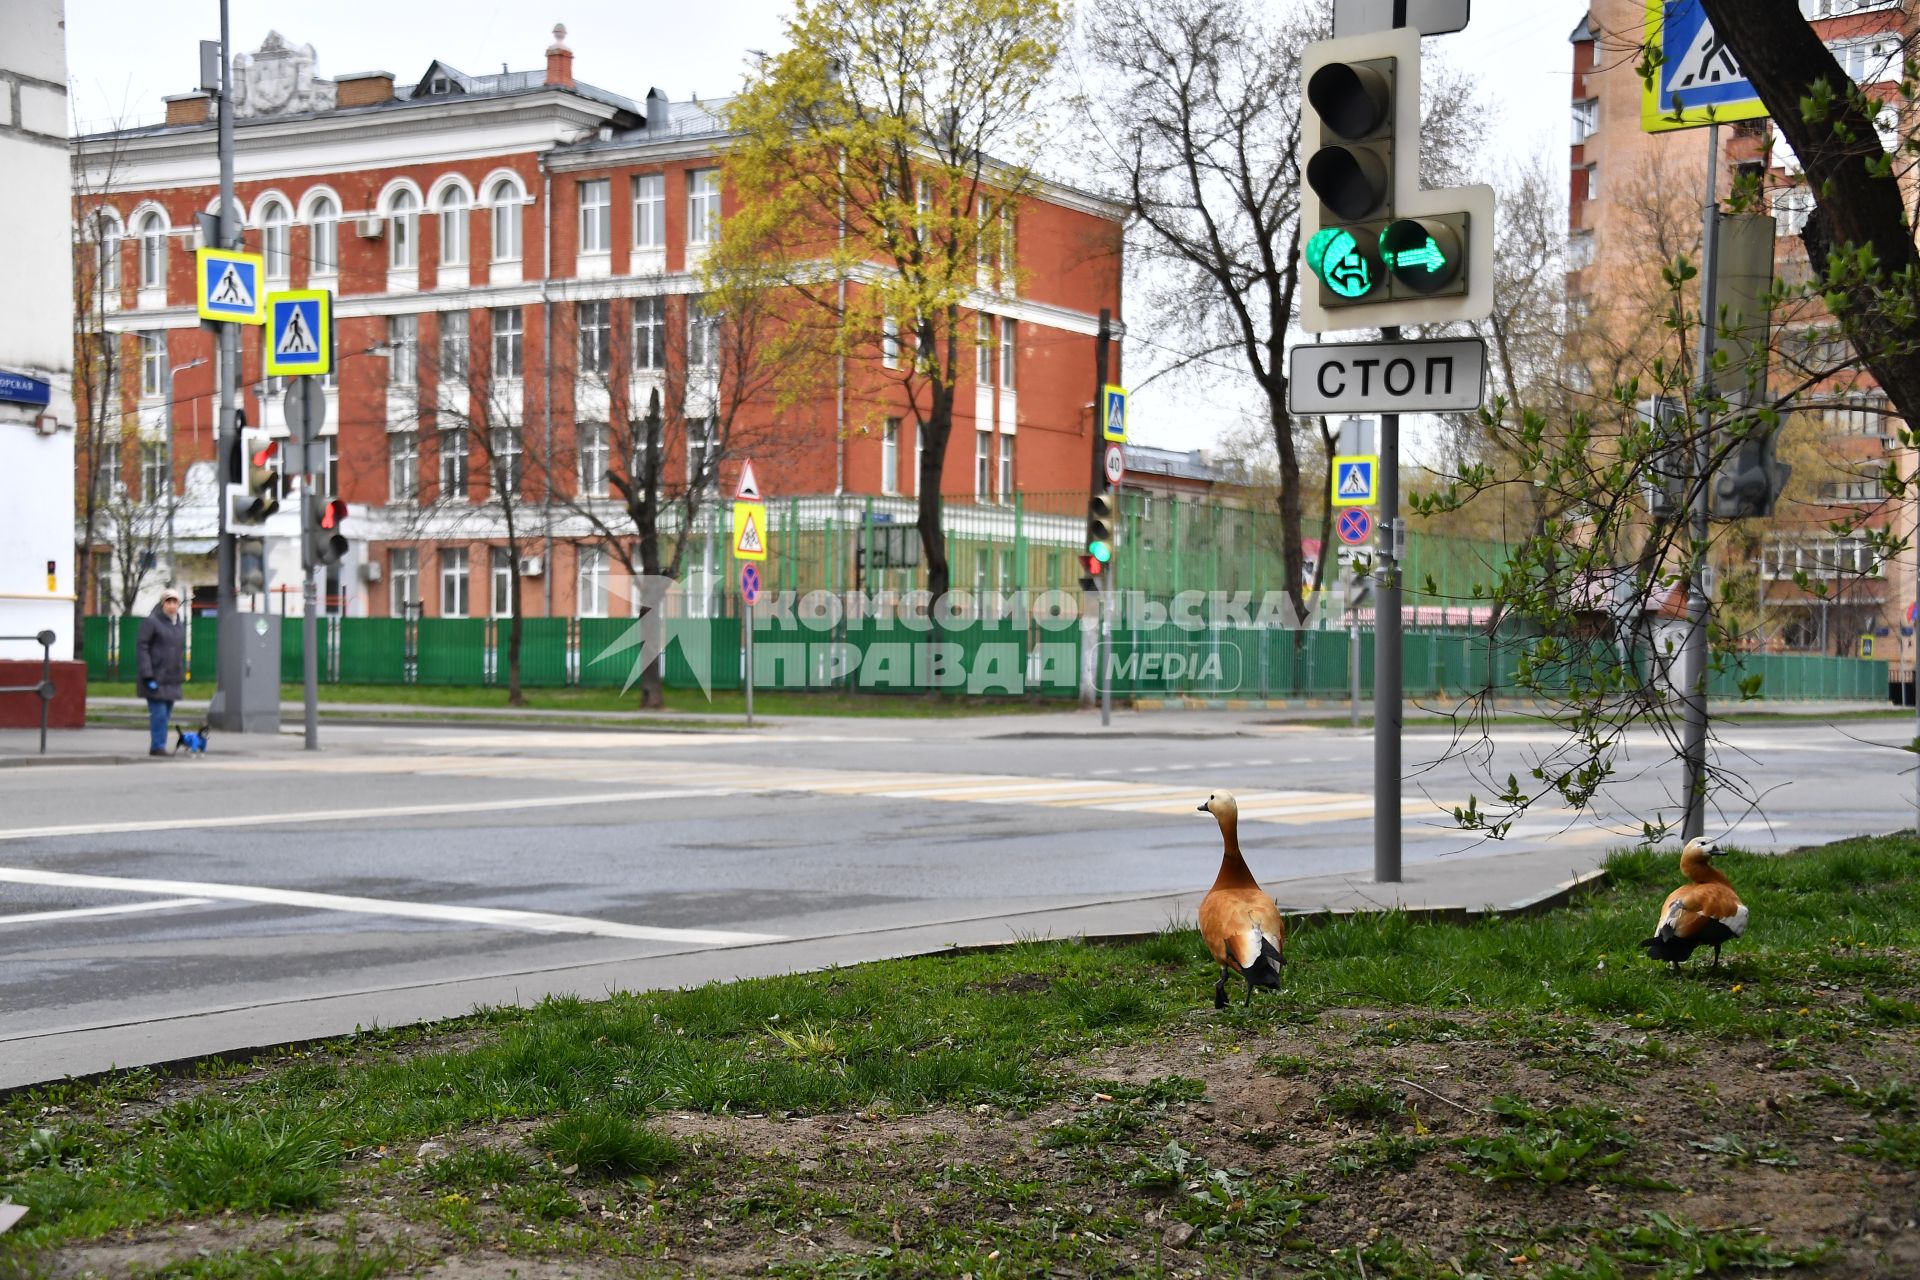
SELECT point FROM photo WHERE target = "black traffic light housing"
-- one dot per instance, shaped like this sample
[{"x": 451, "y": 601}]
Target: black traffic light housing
[
  {"x": 256, "y": 492},
  {"x": 1750, "y": 482},
  {"x": 326, "y": 544},
  {"x": 1100, "y": 529},
  {"x": 250, "y": 566}
]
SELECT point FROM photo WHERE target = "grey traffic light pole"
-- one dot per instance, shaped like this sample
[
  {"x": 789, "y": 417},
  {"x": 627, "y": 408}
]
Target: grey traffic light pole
[
  {"x": 1386, "y": 654},
  {"x": 1693, "y": 741},
  {"x": 228, "y": 712}
]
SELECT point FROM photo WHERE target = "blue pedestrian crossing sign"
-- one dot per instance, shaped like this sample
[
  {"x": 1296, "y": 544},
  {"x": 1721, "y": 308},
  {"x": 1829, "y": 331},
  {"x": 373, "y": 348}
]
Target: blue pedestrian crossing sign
[
  {"x": 299, "y": 332},
  {"x": 227, "y": 286},
  {"x": 1698, "y": 80},
  {"x": 1353, "y": 480},
  {"x": 1113, "y": 413}
]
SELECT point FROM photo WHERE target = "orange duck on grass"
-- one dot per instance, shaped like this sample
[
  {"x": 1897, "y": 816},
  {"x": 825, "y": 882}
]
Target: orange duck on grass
[
  {"x": 1241, "y": 924},
  {"x": 1706, "y": 913}
]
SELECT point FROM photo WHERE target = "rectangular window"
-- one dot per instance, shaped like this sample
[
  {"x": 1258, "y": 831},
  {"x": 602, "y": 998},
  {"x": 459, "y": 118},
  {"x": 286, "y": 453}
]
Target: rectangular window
[
  {"x": 982, "y": 464},
  {"x": 332, "y": 475},
  {"x": 890, "y": 457},
  {"x": 453, "y": 465},
  {"x": 153, "y": 472},
  {"x": 509, "y": 344},
  {"x": 502, "y": 576},
  {"x": 324, "y": 240},
  {"x": 403, "y": 581},
  {"x": 111, "y": 484},
  {"x": 596, "y": 217},
  {"x": 890, "y": 342},
  {"x": 703, "y": 447},
  {"x": 650, "y": 333},
  {"x": 1586, "y": 118},
  {"x": 703, "y": 206},
  {"x": 650, "y": 211},
  {"x": 1006, "y": 468},
  {"x": 507, "y": 454},
  {"x": 455, "y": 347},
  {"x": 1580, "y": 251},
  {"x": 1593, "y": 182},
  {"x": 403, "y": 467},
  {"x": 919, "y": 457},
  {"x": 506, "y": 223},
  {"x": 700, "y": 336},
  {"x": 402, "y": 222},
  {"x": 983, "y": 352},
  {"x": 593, "y": 459},
  {"x": 453, "y": 582},
  {"x": 1008, "y": 346},
  {"x": 596, "y": 335},
  {"x": 153, "y": 365},
  {"x": 403, "y": 351},
  {"x": 594, "y": 578}
]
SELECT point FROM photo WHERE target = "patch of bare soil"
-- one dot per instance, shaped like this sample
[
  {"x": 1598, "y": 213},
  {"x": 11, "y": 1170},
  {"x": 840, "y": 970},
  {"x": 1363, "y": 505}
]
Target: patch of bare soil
[{"x": 1356, "y": 1119}]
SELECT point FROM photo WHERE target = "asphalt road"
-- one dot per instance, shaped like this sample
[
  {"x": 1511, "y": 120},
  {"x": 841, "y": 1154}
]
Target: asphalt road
[{"x": 261, "y": 878}]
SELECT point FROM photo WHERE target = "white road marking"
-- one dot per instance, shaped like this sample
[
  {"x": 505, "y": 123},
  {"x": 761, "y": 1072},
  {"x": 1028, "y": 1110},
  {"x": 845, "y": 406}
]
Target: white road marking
[
  {"x": 499, "y": 917},
  {"x": 76, "y": 913},
  {"x": 341, "y": 815}
]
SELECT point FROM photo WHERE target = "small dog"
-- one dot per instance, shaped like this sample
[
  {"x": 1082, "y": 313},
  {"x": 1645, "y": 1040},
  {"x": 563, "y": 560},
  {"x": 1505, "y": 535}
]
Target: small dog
[{"x": 192, "y": 741}]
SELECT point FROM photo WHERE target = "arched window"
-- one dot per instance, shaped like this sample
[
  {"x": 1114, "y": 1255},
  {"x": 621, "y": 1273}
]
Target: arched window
[
  {"x": 505, "y": 199},
  {"x": 453, "y": 226},
  {"x": 402, "y": 216},
  {"x": 325, "y": 252},
  {"x": 105, "y": 234},
  {"x": 153, "y": 252},
  {"x": 276, "y": 240}
]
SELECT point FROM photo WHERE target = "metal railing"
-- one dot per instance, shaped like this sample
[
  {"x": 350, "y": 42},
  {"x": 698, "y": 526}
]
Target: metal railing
[{"x": 45, "y": 687}]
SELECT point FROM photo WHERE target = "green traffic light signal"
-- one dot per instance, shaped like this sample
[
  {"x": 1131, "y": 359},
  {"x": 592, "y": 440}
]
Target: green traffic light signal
[
  {"x": 1423, "y": 253},
  {"x": 1101, "y": 551},
  {"x": 1343, "y": 263}
]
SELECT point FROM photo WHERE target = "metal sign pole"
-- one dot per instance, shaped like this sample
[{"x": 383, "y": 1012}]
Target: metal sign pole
[
  {"x": 309, "y": 622},
  {"x": 749, "y": 623},
  {"x": 1386, "y": 654},
  {"x": 1694, "y": 666}
]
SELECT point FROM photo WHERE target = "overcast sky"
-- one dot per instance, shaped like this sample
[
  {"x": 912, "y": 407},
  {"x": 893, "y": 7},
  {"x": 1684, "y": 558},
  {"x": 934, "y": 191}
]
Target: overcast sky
[{"x": 122, "y": 58}]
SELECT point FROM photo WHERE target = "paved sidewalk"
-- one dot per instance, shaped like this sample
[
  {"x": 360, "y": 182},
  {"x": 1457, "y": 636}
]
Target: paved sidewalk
[{"x": 1518, "y": 882}]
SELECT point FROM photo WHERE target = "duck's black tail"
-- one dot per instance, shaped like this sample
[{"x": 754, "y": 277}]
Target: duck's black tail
[{"x": 1265, "y": 969}]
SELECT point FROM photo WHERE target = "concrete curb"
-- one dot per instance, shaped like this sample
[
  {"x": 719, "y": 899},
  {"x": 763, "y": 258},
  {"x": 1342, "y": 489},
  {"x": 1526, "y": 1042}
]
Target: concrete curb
[{"x": 1555, "y": 898}]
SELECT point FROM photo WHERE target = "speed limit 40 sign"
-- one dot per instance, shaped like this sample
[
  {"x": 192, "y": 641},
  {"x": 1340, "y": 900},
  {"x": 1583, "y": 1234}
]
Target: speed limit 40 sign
[{"x": 1116, "y": 463}]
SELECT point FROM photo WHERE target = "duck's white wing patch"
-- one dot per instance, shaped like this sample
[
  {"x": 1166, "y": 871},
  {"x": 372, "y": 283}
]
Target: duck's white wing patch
[
  {"x": 1671, "y": 920},
  {"x": 1737, "y": 922}
]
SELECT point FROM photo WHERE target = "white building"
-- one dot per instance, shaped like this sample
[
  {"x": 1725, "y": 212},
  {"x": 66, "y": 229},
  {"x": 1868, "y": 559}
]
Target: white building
[{"x": 36, "y": 333}]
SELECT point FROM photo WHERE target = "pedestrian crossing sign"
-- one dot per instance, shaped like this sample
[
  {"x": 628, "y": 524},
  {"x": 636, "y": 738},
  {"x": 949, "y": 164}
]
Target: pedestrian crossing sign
[
  {"x": 299, "y": 332},
  {"x": 1113, "y": 414},
  {"x": 1696, "y": 80},
  {"x": 750, "y": 531},
  {"x": 228, "y": 286},
  {"x": 1353, "y": 480}
]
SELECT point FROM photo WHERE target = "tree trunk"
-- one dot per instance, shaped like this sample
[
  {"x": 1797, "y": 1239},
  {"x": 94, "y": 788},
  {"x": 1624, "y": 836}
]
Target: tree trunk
[
  {"x": 1858, "y": 199},
  {"x": 646, "y": 518},
  {"x": 933, "y": 542},
  {"x": 1291, "y": 508}
]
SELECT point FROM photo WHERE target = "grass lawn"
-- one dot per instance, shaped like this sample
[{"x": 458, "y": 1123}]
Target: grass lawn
[
  {"x": 1528, "y": 1098},
  {"x": 724, "y": 702}
]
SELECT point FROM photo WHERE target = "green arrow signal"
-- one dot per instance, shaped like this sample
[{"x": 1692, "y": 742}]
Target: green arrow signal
[
  {"x": 1334, "y": 255},
  {"x": 1427, "y": 255}
]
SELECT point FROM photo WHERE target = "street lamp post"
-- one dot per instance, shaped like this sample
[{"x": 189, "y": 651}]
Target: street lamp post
[{"x": 172, "y": 505}]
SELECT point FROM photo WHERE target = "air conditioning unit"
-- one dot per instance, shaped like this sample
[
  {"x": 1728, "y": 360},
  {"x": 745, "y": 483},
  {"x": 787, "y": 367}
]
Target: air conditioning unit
[
  {"x": 370, "y": 228},
  {"x": 532, "y": 566},
  {"x": 370, "y": 570}
]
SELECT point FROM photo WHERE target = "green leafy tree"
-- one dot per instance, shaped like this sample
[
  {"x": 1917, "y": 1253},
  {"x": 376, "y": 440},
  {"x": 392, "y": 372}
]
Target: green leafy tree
[{"x": 878, "y": 166}]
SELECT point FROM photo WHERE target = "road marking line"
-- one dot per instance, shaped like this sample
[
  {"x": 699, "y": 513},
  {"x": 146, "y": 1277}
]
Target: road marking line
[
  {"x": 76, "y": 913},
  {"x": 500, "y": 917},
  {"x": 338, "y": 815}
]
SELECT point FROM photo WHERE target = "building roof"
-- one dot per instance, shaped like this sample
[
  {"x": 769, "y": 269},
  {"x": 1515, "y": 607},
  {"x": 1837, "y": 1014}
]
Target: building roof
[{"x": 1177, "y": 464}]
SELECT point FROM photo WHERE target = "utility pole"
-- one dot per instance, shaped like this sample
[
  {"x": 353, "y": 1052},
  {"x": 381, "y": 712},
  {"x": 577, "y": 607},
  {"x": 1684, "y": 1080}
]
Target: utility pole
[
  {"x": 1386, "y": 653},
  {"x": 1693, "y": 743},
  {"x": 226, "y": 712}
]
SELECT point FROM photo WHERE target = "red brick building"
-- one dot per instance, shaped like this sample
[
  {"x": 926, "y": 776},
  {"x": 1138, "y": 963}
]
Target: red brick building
[{"x": 513, "y": 223}]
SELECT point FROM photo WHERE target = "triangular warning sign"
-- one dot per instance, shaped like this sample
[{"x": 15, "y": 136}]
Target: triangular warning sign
[
  {"x": 296, "y": 339},
  {"x": 749, "y": 487},
  {"x": 232, "y": 291},
  {"x": 1354, "y": 482},
  {"x": 1707, "y": 61},
  {"x": 747, "y": 541}
]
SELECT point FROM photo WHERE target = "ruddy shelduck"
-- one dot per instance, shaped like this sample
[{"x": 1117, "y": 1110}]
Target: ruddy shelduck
[
  {"x": 1706, "y": 913},
  {"x": 1241, "y": 924}
]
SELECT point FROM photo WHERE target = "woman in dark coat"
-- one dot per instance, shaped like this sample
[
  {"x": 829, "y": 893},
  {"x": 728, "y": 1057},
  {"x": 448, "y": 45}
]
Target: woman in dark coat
[{"x": 163, "y": 666}]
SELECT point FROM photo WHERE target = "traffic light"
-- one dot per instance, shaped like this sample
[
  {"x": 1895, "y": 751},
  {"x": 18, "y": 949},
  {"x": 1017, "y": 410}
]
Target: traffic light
[
  {"x": 1375, "y": 242},
  {"x": 1750, "y": 482},
  {"x": 1100, "y": 539},
  {"x": 254, "y": 493},
  {"x": 1090, "y": 571},
  {"x": 250, "y": 563},
  {"x": 325, "y": 541}
]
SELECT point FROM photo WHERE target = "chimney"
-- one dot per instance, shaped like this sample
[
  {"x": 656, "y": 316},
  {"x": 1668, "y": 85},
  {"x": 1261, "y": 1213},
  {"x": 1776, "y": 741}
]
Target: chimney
[
  {"x": 363, "y": 88},
  {"x": 659, "y": 114},
  {"x": 189, "y": 108},
  {"x": 560, "y": 58}
]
